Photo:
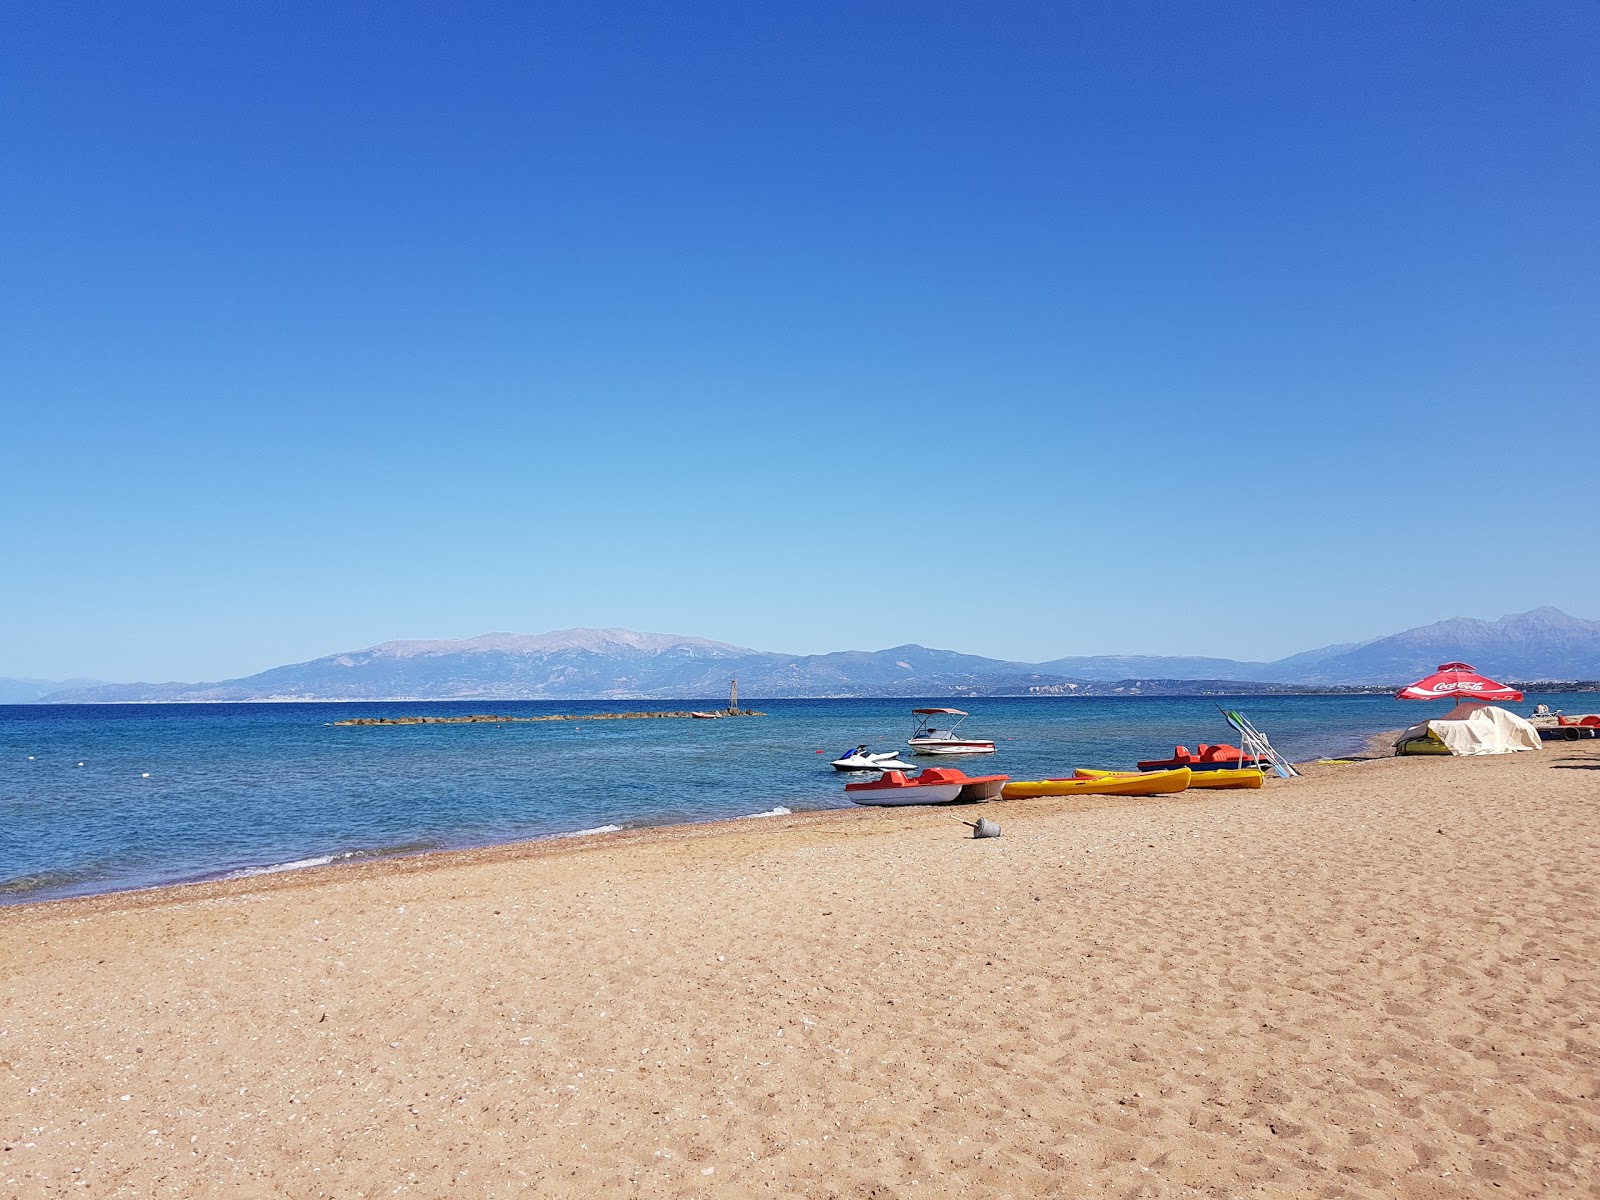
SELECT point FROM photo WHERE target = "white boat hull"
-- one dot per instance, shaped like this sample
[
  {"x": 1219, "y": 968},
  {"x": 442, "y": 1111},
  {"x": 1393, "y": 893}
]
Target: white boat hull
[
  {"x": 933, "y": 793},
  {"x": 984, "y": 789},
  {"x": 874, "y": 762},
  {"x": 940, "y": 746}
]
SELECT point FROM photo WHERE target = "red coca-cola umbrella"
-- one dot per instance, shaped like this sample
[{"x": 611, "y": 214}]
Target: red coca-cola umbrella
[{"x": 1457, "y": 681}]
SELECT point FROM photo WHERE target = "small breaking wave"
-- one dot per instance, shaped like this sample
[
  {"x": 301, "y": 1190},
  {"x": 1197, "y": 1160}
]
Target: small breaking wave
[
  {"x": 585, "y": 832},
  {"x": 21, "y": 887},
  {"x": 323, "y": 860},
  {"x": 780, "y": 811},
  {"x": 298, "y": 864}
]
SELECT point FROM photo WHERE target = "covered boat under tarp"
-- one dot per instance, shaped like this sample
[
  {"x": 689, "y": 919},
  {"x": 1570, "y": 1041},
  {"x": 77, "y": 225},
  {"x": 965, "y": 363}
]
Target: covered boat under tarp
[{"x": 1471, "y": 729}]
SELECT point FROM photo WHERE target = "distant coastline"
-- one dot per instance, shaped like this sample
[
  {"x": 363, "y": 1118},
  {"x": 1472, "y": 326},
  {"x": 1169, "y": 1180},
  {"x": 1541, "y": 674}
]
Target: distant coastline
[
  {"x": 483, "y": 719},
  {"x": 1130, "y": 689},
  {"x": 617, "y": 665}
]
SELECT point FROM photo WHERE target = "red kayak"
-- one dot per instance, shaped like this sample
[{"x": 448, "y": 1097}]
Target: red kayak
[
  {"x": 932, "y": 785},
  {"x": 1207, "y": 758}
]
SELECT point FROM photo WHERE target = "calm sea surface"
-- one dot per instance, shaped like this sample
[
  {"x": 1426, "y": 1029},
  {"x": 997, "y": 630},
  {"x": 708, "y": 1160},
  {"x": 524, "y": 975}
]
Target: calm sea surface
[{"x": 98, "y": 798}]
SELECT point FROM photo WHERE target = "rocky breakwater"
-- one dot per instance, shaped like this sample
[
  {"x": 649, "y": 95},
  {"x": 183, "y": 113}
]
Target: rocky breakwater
[{"x": 491, "y": 719}]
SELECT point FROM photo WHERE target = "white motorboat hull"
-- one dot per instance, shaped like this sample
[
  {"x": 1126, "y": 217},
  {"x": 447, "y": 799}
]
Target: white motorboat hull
[
  {"x": 933, "y": 793},
  {"x": 942, "y": 746}
]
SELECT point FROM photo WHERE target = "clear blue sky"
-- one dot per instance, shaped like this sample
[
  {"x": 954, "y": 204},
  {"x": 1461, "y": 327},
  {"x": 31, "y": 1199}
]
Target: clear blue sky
[{"x": 1020, "y": 329}]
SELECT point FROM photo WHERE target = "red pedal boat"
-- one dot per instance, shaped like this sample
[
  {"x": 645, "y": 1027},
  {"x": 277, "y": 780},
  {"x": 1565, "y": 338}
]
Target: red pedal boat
[
  {"x": 1207, "y": 758},
  {"x": 932, "y": 785}
]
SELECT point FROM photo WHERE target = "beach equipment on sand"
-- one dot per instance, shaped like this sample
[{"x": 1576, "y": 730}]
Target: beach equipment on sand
[
  {"x": 1243, "y": 777},
  {"x": 979, "y": 788},
  {"x": 1206, "y": 759},
  {"x": 1223, "y": 759},
  {"x": 1141, "y": 783},
  {"x": 1474, "y": 726},
  {"x": 1558, "y": 726},
  {"x": 983, "y": 827},
  {"x": 896, "y": 787},
  {"x": 1255, "y": 744},
  {"x": 933, "y": 785},
  {"x": 1458, "y": 681},
  {"x": 927, "y": 739},
  {"x": 1471, "y": 728}
]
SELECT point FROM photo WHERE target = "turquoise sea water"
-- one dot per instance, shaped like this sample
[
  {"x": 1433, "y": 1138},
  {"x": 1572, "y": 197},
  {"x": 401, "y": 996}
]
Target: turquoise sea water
[{"x": 97, "y": 798}]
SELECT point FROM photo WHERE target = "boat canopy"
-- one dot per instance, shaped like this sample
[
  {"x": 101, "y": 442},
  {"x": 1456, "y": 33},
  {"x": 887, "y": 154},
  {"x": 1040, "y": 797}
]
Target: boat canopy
[{"x": 932, "y": 712}]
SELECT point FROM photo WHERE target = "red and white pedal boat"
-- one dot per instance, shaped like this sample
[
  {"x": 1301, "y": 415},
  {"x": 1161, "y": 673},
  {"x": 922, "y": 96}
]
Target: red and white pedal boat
[
  {"x": 1207, "y": 758},
  {"x": 932, "y": 785}
]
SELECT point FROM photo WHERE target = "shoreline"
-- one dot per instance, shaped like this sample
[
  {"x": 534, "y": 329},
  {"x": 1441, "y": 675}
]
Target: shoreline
[
  {"x": 1375, "y": 746},
  {"x": 1330, "y": 981},
  {"x": 373, "y": 866},
  {"x": 1381, "y": 744},
  {"x": 365, "y": 866},
  {"x": 856, "y": 818}
]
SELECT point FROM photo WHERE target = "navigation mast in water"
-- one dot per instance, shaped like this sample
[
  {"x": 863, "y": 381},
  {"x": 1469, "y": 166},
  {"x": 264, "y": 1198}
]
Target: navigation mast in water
[{"x": 733, "y": 694}]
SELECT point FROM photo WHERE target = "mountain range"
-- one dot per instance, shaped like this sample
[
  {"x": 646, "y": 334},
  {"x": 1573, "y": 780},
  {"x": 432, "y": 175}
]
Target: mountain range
[
  {"x": 26, "y": 691},
  {"x": 607, "y": 664}
]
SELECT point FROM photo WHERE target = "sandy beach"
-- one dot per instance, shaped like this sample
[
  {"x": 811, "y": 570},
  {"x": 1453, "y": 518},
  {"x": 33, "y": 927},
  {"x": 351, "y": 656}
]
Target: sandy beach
[{"x": 1382, "y": 979}]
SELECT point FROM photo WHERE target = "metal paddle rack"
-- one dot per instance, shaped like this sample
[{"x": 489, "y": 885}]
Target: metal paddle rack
[{"x": 1255, "y": 745}]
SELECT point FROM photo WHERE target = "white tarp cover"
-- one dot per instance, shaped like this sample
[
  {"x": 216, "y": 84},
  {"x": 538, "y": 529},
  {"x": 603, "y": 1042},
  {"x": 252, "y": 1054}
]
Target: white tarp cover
[{"x": 1478, "y": 729}]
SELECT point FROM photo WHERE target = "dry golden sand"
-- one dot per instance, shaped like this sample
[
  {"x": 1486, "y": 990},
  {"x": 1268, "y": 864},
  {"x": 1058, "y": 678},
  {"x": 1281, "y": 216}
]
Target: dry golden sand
[{"x": 1380, "y": 980}]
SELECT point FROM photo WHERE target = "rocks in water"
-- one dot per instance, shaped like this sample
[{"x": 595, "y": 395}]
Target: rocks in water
[{"x": 489, "y": 719}]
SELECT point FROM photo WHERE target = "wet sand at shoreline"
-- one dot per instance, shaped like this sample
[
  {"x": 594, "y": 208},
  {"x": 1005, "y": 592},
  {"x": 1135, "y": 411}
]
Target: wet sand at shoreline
[{"x": 1379, "y": 980}]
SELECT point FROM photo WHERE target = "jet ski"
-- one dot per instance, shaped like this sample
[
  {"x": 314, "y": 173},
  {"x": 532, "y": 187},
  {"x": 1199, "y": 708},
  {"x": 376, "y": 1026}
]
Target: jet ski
[{"x": 860, "y": 759}]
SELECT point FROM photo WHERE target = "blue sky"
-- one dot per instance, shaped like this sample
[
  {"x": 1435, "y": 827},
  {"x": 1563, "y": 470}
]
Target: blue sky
[{"x": 1020, "y": 329}]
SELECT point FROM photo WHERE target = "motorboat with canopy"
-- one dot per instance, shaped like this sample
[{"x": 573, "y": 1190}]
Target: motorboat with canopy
[{"x": 934, "y": 735}]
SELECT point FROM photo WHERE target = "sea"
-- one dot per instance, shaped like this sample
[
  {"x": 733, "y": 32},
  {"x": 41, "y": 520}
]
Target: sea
[{"x": 102, "y": 798}]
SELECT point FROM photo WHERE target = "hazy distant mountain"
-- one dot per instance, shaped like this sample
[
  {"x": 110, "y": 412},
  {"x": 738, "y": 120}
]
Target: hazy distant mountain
[
  {"x": 1294, "y": 669},
  {"x": 605, "y": 664},
  {"x": 567, "y": 664},
  {"x": 1107, "y": 667},
  {"x": 578, "y": 664},
  {"x": 26, "y": 691},
  {"x": 1545, "y": 643},
  {"x": 1306, "y": 658}
]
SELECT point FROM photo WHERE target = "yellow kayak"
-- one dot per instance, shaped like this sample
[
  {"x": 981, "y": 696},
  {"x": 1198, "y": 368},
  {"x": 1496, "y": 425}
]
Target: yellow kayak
[
  {"x": 1245, "y": 777},
  {"x": 1084, "y": 783}
]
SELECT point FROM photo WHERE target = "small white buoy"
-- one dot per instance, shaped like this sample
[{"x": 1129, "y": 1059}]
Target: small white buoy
[
  {"x": 80, "y": 764},
  {"x": 146, "y": 775},
  {"x": 30, "y": 758}
]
